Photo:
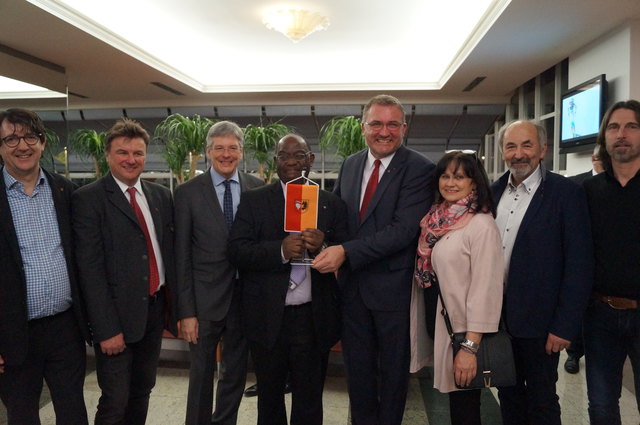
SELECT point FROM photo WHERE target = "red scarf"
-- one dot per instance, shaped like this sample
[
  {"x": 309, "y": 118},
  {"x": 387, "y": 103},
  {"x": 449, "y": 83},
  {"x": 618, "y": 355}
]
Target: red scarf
[{"x": 440, "y": 219}]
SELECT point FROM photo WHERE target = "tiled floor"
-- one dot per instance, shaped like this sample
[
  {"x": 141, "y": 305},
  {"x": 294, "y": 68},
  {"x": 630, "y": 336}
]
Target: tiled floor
[{"x": 425, "y": 406}]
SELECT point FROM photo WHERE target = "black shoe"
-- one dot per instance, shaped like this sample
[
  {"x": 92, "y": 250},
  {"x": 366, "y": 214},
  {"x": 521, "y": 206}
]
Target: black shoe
[
  {"x": 251, "y": 391},
  {"x": 287, "y": 388},
  {"x": 572, "y": 365}
]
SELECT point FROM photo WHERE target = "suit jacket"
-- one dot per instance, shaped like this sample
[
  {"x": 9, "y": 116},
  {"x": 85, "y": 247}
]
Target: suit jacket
[
  {"x": 112, "y": 256},
  {"x": 255, "y": 248},
  {"x": 14, "y": 342},
  {"x": 382, "y": 248},
  {"x": 551, "y": 268},
  {"x": 580, "y": 178},
  {"x": 205, "y": 277}
]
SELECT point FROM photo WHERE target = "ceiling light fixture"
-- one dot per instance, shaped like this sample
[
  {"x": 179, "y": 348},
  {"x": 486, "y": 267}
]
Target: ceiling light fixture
[{"x": 296, "y": 24}]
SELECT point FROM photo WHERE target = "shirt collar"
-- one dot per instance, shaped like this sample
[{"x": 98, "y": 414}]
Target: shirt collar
[
  {"x": 123, "y": 187},
  {"x": 384, "y": 161},
  {"x": 11, "y": 181},
  {"x": 218, "y": 179},
  {"x": 530, "y": 182}
]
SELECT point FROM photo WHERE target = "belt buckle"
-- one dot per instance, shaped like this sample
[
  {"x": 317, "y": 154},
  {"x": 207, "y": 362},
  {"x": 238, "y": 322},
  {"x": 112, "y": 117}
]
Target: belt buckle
[{"x": 610, "y": 301}]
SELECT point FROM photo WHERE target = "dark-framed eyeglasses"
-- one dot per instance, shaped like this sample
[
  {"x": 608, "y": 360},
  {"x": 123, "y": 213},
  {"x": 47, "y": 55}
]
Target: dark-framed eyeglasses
[
  {"x": 298, "y": 156},
  {"x": 14, "y": 140},
  {"x": 391, "y": 126}
]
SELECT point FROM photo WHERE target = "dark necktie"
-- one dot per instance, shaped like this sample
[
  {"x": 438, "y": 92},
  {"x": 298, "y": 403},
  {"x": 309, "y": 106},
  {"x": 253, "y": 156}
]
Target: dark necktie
[
  {"x": 227, "y": 201},
  {"x": 372, "y": 184},
  {"x": 154, "y": 277}
]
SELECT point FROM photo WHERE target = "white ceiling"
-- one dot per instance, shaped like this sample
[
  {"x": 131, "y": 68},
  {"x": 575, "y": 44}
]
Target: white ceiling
[{"x": 528, "y": 37}]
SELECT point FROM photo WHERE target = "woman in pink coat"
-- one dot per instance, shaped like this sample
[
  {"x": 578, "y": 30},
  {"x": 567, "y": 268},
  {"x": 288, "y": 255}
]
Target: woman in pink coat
[{"x": 459, "y": 248}]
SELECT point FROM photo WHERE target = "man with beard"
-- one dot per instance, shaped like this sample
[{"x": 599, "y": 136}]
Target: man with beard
[
  {"x": 611, "y": 322},
  {"x": 544, "y": 224}
]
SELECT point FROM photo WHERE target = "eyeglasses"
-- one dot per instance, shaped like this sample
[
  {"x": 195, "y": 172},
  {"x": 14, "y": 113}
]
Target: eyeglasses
[
  {"x": 298, "y": 156},
  {"x": 391, "y": 126},
  {"x": 14, "y": 140},
  {"x": 230, "y": 149}
]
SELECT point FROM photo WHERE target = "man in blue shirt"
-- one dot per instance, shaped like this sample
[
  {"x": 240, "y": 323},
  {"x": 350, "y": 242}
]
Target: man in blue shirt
[
  {"x": 42, "y": 324},
  {"x": 208, "y": 296}
]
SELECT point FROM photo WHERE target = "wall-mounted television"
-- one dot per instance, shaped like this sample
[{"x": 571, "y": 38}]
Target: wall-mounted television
[{"x": 582, "y": 109}]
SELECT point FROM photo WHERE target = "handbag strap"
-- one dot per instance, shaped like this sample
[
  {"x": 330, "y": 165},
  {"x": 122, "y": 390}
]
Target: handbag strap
[
  {"x": 447, "y": 321},
  {"x": 445, "y": 314}
]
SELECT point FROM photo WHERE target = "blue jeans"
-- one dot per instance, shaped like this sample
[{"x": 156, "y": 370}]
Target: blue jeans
[{"x": 610, "y": 336}]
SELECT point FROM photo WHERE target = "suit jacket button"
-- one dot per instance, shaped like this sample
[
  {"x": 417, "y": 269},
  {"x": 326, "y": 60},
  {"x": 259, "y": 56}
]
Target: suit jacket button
[{"x": 144, "y": 257}]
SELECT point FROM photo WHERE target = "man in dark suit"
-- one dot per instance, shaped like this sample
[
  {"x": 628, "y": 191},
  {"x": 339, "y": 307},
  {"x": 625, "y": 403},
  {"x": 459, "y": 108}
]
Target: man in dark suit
[
  {"x": 597, "y": 168},
  {"x": 576, "y": 350},
  {"x": 208, "y": 297},
  {"x": 123, "y": 230},
  {"x": 42, "y": 323},
  {"x": 544, "y": 223},
  {"x": 387, "y": 189},
  {"x": 291, "y": 313}
]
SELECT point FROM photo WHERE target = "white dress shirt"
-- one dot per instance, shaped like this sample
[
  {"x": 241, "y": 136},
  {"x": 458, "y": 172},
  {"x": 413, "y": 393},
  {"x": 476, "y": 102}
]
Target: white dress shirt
[
  {"x": 511, "y": 210},
  {"x": 146, "y": 212}
]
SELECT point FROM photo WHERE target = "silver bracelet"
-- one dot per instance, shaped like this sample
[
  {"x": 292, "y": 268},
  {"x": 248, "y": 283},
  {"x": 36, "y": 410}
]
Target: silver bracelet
[
  {"x": 468, "y": 350},
  {"x": 471, "y": 346}
]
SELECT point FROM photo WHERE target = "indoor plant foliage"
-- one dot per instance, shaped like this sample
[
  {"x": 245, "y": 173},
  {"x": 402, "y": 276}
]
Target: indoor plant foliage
[
  {"x": 261, "y": 141},
  {"x": 90, "y": 144},
  {"x": 343, "y": 133},
  {"x": 183, "y": 138}
]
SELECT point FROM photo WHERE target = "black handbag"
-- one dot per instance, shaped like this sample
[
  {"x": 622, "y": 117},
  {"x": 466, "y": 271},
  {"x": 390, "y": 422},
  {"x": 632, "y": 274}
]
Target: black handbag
[{"x": 496, "y": 366}]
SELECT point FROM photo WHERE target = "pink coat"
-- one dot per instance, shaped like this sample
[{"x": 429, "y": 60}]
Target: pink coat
[{"x": 470, "y": 267}]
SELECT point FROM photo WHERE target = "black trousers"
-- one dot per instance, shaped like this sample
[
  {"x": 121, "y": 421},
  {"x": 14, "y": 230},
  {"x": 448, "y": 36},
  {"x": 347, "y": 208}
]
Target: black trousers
[
  {"x": 126, "y": 379},
  {"x": 296, "y": 352},
  {"x": 533, "y": 400},
  {"x": 57, "y": 355},
  {"x": 464, "y": 407}
]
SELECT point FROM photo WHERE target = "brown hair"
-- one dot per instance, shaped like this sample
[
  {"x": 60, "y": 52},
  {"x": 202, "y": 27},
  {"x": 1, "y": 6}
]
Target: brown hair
[
  {"x": 126, "y": 128},
  {"x": 632, "y": 105}
]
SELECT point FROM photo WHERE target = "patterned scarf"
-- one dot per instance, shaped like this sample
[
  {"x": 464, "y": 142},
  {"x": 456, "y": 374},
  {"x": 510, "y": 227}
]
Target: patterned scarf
[{"x": 440, "y": 219}]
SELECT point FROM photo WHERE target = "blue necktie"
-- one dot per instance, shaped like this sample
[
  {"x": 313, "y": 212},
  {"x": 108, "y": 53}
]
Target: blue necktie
[{"x": 227, "y": 201}]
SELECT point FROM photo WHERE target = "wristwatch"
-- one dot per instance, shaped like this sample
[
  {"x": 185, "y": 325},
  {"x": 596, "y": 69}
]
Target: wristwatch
[{"x": 472, "y": 346}]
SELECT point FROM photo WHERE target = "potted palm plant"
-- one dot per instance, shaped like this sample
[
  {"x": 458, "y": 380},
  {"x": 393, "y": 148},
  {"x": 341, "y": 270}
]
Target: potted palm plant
[
  {"x": 261, "y": 141},
  {"x": 183, "y": 138},
  {"x": 90, "y": 144},
  {"x": 344, "y": 134}
]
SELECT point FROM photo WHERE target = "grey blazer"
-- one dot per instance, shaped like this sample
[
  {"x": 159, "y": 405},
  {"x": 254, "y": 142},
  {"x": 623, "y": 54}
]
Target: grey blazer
[{"x": 205, "y": 277}]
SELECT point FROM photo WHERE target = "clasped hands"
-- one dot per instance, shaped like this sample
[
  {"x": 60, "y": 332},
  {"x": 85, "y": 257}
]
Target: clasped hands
[
  {"x": 297, "y": 244},
  {"x": 328, "y": 260}
]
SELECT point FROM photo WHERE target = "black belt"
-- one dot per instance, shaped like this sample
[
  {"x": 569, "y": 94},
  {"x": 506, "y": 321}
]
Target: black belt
[
  {"x": 154, "y": 298},
  {"x": 297, "y": 306},
  {"x": 49, "y": 318}
]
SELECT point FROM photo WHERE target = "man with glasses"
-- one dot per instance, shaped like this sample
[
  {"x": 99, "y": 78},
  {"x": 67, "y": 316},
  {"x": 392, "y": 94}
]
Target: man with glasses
[
  {"x": 291, "y": 314},
  {"x": 387, "y": 189},
  {"x": 208, "y": 296},
  {"x": 544, "y": 226},
  {"x": 42, "y": 324}
]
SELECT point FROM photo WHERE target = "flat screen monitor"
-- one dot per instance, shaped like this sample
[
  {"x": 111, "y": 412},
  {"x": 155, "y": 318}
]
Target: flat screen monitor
[{"x": 582, "y": 110}]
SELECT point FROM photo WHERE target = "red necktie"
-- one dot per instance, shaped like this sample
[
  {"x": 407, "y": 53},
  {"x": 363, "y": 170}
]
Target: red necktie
[
  {"x": 154, "y": 278},
  {"x": 372, "y": 184}
]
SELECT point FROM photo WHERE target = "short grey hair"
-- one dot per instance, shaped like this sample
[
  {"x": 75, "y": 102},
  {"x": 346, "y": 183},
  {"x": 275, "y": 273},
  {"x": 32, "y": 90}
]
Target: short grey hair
[
  {"x": 225, "y": 128},
  {"x": 383, "y": 100},
  {"x": 540, "y": 130}
]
